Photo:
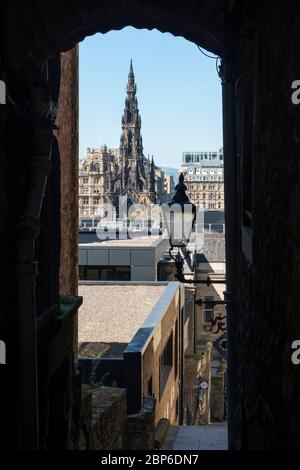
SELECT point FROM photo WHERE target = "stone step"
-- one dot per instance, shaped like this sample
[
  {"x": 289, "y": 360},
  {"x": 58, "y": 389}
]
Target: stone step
[{"x": 209, "y": 437}]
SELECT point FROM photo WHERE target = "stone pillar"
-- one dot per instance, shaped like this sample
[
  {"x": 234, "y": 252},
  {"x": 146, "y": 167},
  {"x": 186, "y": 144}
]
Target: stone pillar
[{"x": 67, "y": 135}]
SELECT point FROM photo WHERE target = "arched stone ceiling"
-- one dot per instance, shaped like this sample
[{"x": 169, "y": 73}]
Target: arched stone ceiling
[{"x": 35, "y": 29}]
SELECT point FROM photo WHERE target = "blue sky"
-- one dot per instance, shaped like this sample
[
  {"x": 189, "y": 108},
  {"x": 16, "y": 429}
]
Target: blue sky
[{"x": 178, "y": 91}]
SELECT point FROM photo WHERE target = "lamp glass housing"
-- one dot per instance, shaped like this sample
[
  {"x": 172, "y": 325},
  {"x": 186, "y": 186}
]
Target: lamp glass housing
[
  {"x": 179, "y": 220},
  {"x": 179, "y": 216}
]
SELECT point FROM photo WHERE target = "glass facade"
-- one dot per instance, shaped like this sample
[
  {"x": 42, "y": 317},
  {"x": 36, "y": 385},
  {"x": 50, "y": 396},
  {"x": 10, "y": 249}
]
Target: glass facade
[{"x": 199, "y": 157}]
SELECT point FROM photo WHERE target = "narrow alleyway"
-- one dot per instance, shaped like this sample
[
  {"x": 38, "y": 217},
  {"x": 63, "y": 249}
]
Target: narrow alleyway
[{"x": 210, "y": 437}]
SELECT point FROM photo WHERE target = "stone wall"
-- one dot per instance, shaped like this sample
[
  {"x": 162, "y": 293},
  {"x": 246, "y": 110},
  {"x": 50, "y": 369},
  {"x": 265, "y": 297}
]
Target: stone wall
[
  {"x": 197, "y": 366},
  {"x": 216, "y": 291},
  {"x": 267, "y": 310},
  {"x": 105, "y": 426},
  {"x": 217, "y": 396},
  {"x": 140, "y": 428},
  {"x": 103, "y": 418}
]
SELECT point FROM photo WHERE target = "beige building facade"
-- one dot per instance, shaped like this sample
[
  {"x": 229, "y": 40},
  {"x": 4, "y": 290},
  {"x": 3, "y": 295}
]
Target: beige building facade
[
  {"x": 204, "y": 178},
  {"x": 95, "y": 175}
]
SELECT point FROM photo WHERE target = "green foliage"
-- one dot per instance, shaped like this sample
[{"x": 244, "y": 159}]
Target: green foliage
[{"x": 95, "y": 383}]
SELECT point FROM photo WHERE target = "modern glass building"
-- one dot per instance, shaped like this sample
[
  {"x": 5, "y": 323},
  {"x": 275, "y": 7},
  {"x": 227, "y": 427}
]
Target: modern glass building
[{"x": 190, "y": 158}]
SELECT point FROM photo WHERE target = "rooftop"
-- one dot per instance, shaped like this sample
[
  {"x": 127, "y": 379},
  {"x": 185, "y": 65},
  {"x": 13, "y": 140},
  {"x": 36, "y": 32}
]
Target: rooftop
[{"x": 111, "y": 314}]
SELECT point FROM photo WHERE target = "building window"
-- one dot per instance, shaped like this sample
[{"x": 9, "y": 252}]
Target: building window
[
  {"x": 208, "y": 311},
  {"x": 85, "y": 201},
  {"x": 165, "y": 364},
  {"x": 85, "y": 180},
  {"x": 85, "y": 190},
  {"x": 96, "y": 180},
  {"x": 105, "y": 273}
]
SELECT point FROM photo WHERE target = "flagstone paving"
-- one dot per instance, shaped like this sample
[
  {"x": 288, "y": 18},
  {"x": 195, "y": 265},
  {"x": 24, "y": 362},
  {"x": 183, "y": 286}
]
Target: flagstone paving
[{"x": 209, "y": 437}]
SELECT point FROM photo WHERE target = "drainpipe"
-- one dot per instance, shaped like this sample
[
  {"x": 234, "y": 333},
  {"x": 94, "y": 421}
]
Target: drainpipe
[
  {"x": 230, "y": 181},
  {"x": 28, "y": 227}
]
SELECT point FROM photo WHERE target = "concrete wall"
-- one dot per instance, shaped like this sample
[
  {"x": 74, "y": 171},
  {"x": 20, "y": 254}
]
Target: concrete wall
[{"x": 143, "y": 260}]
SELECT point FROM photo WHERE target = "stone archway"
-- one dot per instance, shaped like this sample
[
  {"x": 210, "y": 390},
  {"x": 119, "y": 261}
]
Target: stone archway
[
  {"x": 35, "y": 36},
  {"x": 41, "y": 31},
  {"x": 262, "y": 38}
]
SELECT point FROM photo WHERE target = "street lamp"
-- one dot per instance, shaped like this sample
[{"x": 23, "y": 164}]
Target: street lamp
[{"x": 179, "y": 216}]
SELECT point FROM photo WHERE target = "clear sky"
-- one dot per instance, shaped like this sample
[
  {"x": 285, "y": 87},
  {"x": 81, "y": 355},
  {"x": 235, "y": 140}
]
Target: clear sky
[{"x": 178, "y": 91}]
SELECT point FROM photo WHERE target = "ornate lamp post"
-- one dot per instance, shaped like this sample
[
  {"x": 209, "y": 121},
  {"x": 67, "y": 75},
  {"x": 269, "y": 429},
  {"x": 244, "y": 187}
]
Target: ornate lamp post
[{"x": 179, "y": 216}]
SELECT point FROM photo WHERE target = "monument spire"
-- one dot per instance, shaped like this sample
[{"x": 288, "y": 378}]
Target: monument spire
[
  {"x": 131, "y": 86},
  {"x": 131, "y": 144}
]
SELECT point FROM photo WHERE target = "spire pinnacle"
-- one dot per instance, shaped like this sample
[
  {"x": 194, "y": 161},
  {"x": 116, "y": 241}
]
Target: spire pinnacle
[
  {"x": 131, "y": 86},
  {"x": 131, "y": 69}
]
